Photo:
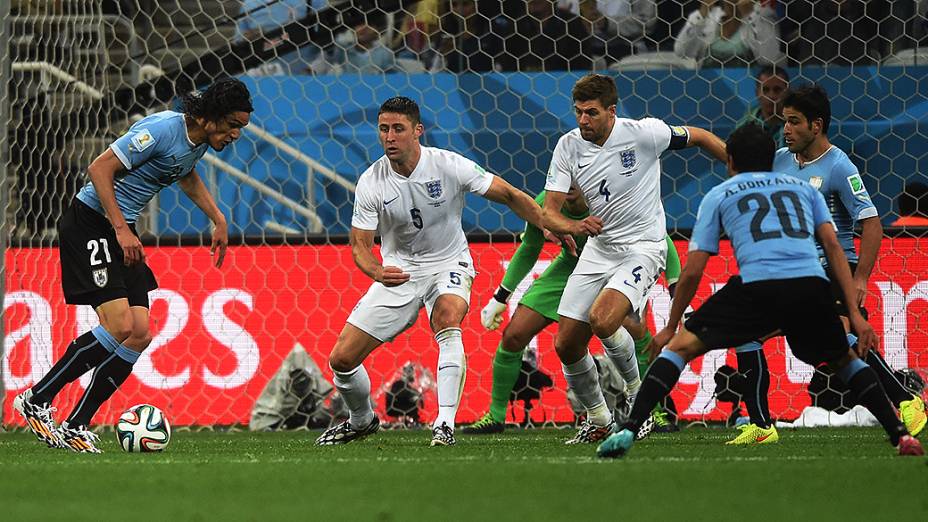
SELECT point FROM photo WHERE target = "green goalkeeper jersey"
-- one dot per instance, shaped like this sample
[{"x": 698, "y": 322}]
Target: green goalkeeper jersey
[{"x": 533, "y": 241}]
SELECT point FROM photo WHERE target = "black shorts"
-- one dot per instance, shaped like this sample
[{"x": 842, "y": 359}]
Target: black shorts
[
  {"x": 838, "y": 295},
  {"x": 92, "y": 269},
  {"x": 802, "y": 308}
]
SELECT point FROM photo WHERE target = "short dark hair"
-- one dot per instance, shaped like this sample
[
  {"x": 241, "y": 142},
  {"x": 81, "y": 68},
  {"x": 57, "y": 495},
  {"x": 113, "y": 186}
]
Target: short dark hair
[
  {"x": 751, "y": 149},
  {"x": 812, "y": 101},
  {"x": 914, "y": 200},
  {"x": 596, "y": 87},
  {"x": 771, "y": 70},
  {"x": 402, "y": 105},
  {"x": 220, "y": 99}
]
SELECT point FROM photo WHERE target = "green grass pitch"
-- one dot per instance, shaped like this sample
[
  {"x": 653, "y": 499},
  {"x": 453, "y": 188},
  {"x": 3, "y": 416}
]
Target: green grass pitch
[{"x": 815, "y": 475}]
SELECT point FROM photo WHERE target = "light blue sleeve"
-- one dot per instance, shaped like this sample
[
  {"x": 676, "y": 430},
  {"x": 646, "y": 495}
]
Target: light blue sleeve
[
  {"x": 781, "y": 159},
  {"x": 708, "y": 226},
  {"x": 820, "y": 212},
  {"x": 847, "y": 182},
  {"x": 141, "y": 142}
]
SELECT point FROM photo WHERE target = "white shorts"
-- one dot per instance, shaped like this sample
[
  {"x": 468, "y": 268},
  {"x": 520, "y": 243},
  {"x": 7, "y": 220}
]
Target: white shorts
[
  {"x": 631, "y": 270},
  {"x": 385, "y": 312}
]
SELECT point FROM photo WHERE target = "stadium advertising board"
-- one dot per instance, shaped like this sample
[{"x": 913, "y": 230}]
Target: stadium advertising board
[{"x": 219, "y": 335}]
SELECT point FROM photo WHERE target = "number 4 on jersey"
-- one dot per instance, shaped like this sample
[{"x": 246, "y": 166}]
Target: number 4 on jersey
[{"x": 604, "y": 190}]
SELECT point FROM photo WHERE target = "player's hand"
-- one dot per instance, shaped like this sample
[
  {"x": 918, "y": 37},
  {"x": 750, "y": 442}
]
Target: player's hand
[
  {"x": 220, "y": 244},
  {"x": 391, "y": 276},
  {"x": 132, "y": 251},
  {"x": 492, "y": 314},
  {"x": 652, "y": 350},
  {"x": 566, "y": 241},
  {"x": 660, "y": 341},
  {"x": 589, "y": 226},
  {"x": 860, "y": 285},
  {"x": 866, "y": 337}
]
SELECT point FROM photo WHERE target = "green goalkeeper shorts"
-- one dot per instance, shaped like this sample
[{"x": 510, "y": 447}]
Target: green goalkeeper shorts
[{"x": 544, "y": 295}]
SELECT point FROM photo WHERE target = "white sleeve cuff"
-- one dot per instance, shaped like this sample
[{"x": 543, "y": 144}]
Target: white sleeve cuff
[
  {"x": 122, "y": 157},
  {"x": 867, "y": 213}
]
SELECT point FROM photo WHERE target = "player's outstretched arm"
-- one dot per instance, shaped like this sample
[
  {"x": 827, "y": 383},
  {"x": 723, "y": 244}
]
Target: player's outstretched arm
[
  {"x": 558, "y": 223},
  {"x": 102, "y": 171},
  {"x": 708, "y": 142},
  {"x": 362, "y": 250},
  {"x": 686, "y": 290},
  {"x": 521, "y": 203},
  {"x": 871, "y": 236},
  {"x": 196, "y": 191},
  {"x": 866, "y": 337}
]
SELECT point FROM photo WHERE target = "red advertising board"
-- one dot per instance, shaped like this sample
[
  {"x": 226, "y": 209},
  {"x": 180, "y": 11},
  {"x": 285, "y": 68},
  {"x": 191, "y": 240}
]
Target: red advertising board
[{"x": 219, "y": 335}]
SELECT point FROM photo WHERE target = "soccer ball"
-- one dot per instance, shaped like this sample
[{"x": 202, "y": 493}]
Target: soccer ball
[{"x": 143, "y": 428}]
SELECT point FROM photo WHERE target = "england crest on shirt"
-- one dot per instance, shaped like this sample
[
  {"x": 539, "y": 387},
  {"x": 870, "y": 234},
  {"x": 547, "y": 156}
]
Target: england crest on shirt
[
  {"x": 628, "y": 158},
  {"x": 434, "y": 188}
]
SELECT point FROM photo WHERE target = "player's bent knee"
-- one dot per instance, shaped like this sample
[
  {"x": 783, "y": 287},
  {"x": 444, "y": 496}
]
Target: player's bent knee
[
  {"x": 602, "y": 325},
  {"x": 342, "y": 359},
  {"x": 569, "y": 353},
  {"x": 342, "y": 362},
  {"x": 119, "y": 325},
  {"x": 120, "y": 328},
  {"x": 446, "y": 318},
  {"x": 139, "y": 341},
  {"x": 514, "y": 340}
]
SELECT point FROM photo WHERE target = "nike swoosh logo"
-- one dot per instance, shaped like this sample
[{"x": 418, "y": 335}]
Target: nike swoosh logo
[
  {"x": 762, "y": 439},
  {"x": 581, "y": 167},
  {"x": 385, "y": 203}
]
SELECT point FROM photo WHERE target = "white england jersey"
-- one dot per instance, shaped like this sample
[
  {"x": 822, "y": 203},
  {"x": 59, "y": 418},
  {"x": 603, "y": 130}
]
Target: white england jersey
[
  {"x": 419, "y": 217},
  {"x": 620, "y": 180}
]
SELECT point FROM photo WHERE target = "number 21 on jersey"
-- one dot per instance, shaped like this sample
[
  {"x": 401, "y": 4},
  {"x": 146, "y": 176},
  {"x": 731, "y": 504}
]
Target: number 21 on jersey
[{"x": 95, "y": 246}]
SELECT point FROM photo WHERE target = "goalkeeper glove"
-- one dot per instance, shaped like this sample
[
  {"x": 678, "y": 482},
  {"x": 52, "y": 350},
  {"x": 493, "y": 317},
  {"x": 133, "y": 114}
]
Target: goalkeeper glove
[{"x": 492, "y": 314}]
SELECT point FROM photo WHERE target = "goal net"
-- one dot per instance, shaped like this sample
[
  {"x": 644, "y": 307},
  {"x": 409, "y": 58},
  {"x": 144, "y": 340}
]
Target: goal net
[{"x": 494, "y": 84}]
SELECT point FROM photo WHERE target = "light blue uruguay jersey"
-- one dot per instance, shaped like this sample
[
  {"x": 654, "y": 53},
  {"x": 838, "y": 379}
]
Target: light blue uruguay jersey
[
  {"x": 770, "y": 219},
  {"x": 835, "y": 175},
  {"x": 155, "y": 152}
]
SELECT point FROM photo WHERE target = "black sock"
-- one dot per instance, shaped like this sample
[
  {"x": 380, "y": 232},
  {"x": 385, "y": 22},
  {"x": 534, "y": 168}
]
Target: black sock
[
  {"x": 107, "y": 378},
  {"x": 661, "y": 378},
  {"x": 865, "y": 385},
  {"x": 82, "y": 355},
  {"x": 891, "y": 385},
  {"x": 753, "y": 365}
]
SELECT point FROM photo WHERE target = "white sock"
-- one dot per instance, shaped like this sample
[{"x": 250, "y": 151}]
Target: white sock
[
  {"x": 620, "y": 348},
  {"x": 452, "y": 367},
  {"x": 355, "y": 388},
  {"x": 583, "y": 379}
]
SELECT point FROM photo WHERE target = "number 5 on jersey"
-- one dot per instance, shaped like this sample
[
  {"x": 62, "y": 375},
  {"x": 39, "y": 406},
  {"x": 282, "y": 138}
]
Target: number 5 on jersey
[{"x": 416, "y": 218}]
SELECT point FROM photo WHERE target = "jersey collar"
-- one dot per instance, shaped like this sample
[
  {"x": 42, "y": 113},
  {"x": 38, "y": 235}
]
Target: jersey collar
[{"x": 806, "y": 164}]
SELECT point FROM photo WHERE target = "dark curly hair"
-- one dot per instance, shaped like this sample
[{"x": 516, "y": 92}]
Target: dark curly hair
[
  {"x": 402, "y": 105},
  {"x": 219, "y": 100},
  {"x": 811, "y": 100},
  {"x": 751, "y": 149}
]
